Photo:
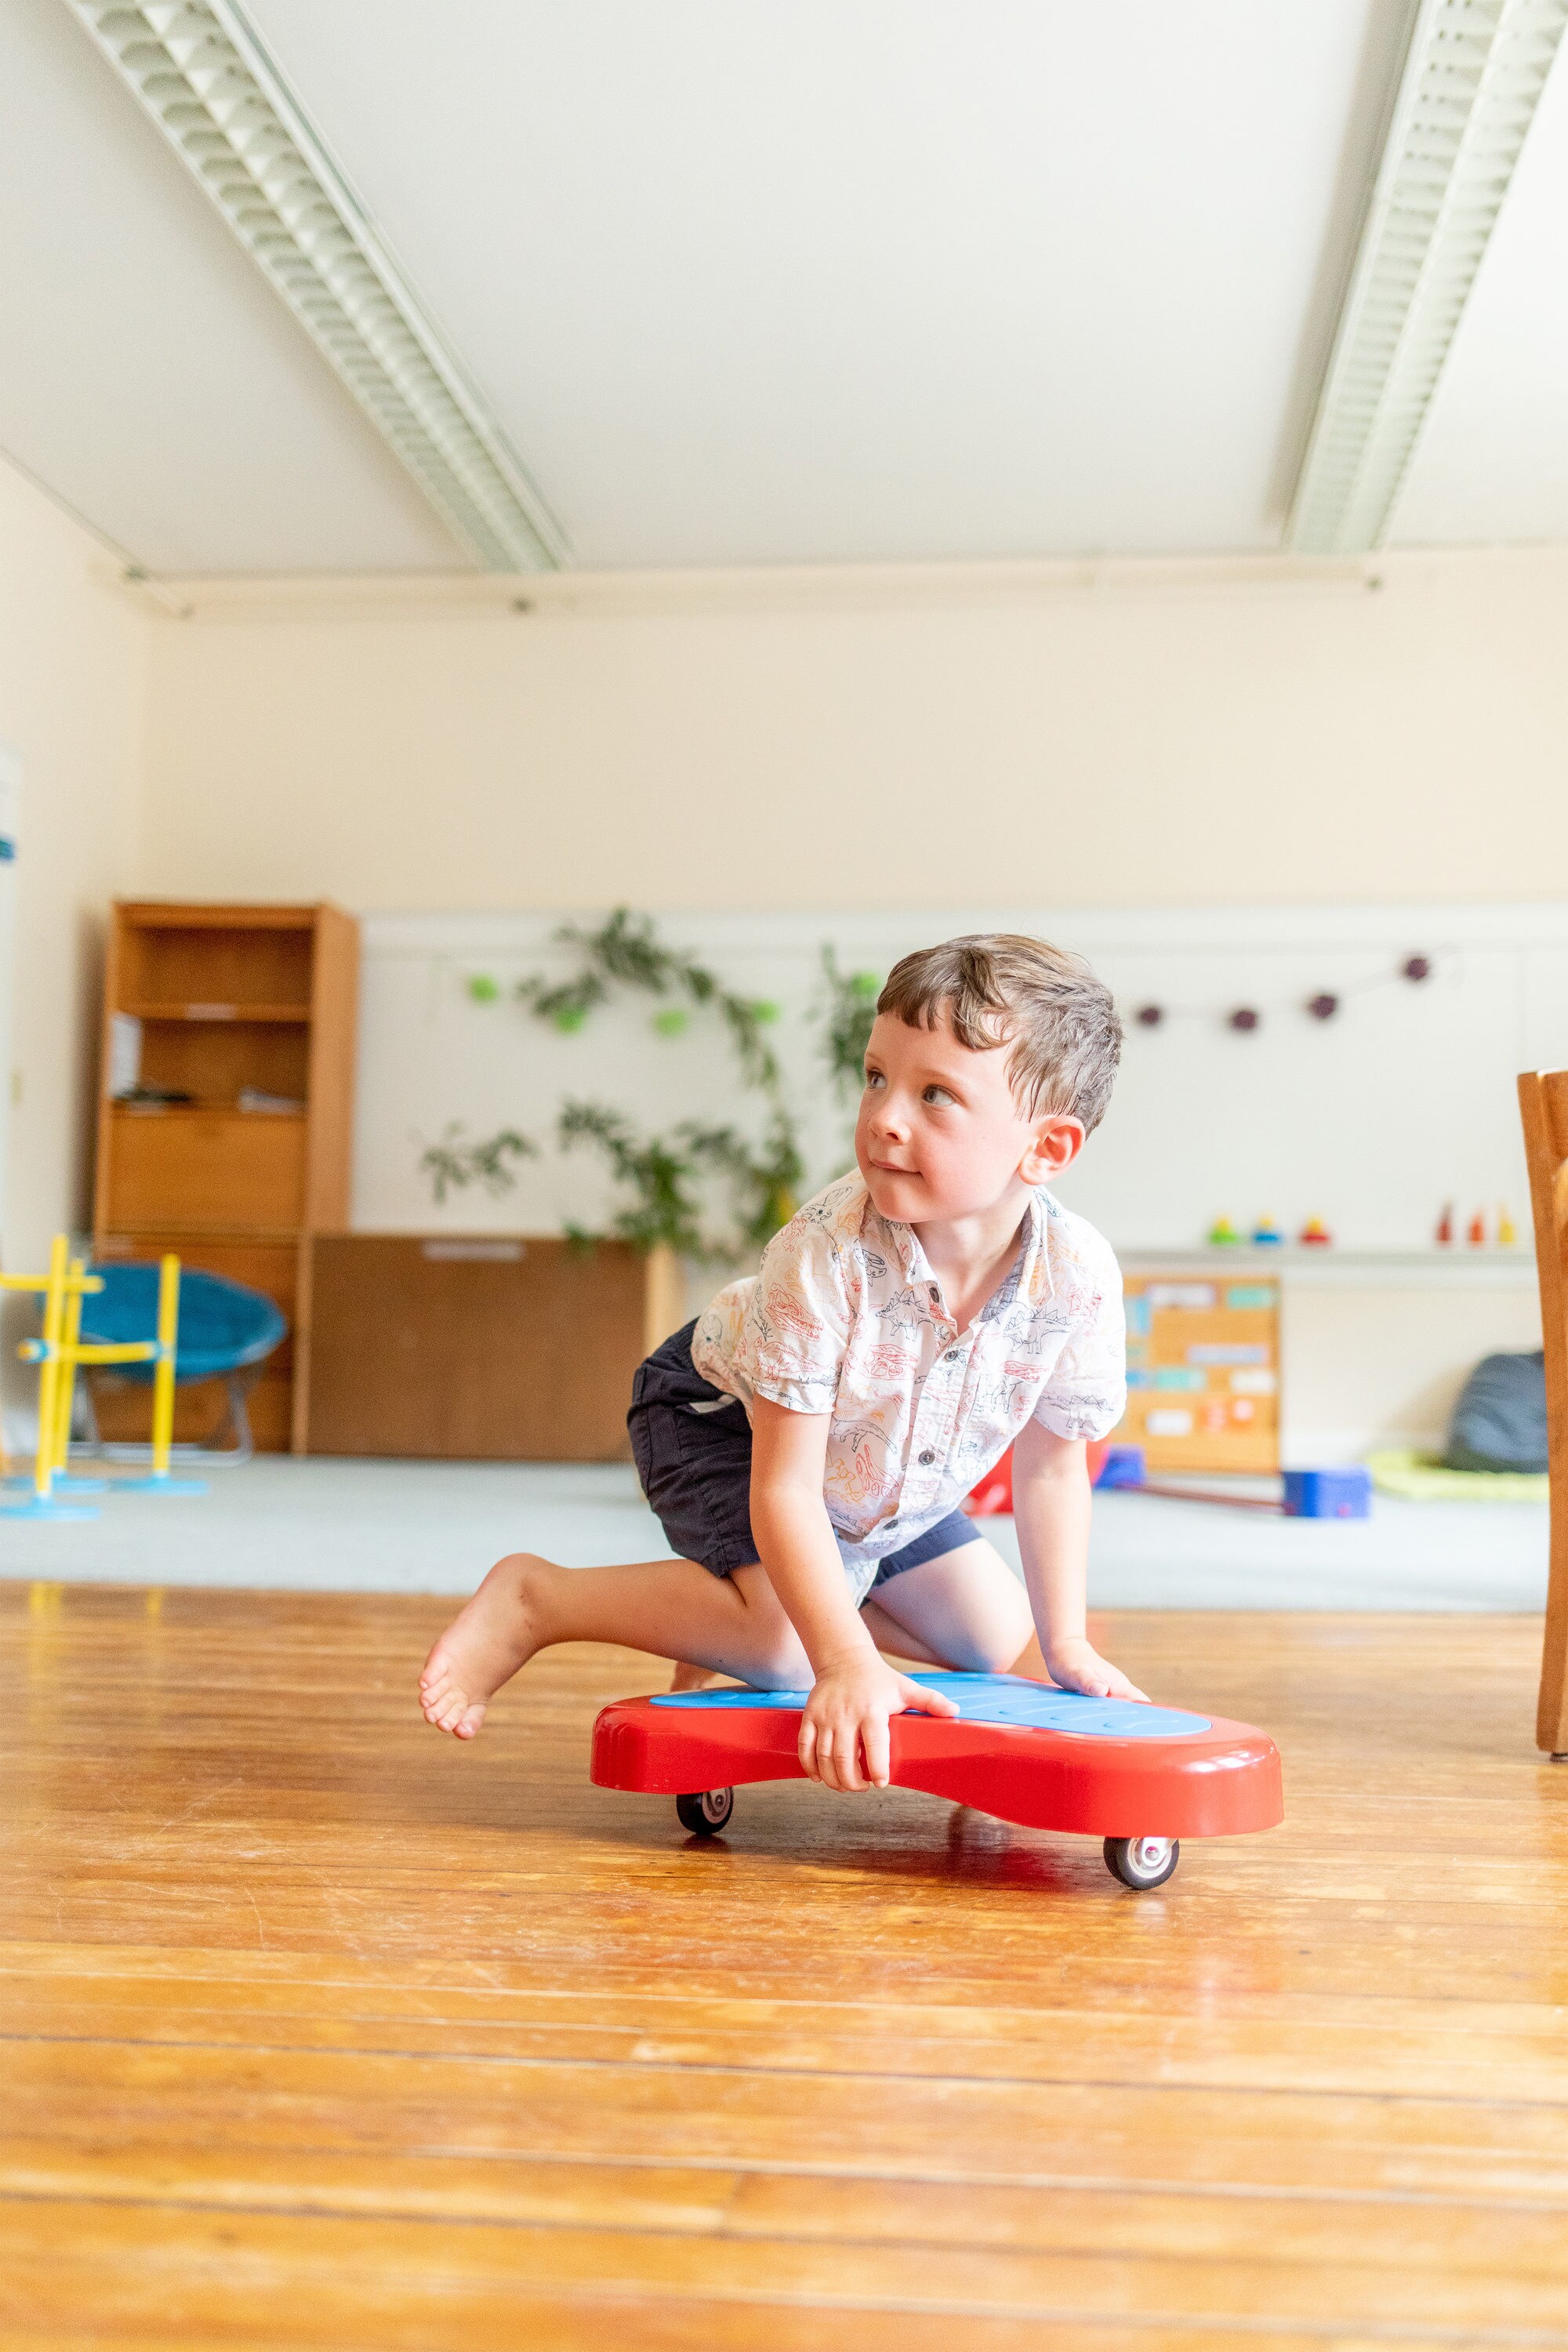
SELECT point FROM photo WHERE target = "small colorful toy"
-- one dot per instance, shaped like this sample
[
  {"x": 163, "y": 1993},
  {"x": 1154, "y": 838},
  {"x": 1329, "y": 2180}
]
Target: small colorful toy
[
  {"x": 1140, "y": 1777},
  {"x": 1223, "y": 1234},
  {"x": 1267, "y": 1235},
  {"x": 1328, "y": 1494},
  {"x": 1314, "y": 1234}
]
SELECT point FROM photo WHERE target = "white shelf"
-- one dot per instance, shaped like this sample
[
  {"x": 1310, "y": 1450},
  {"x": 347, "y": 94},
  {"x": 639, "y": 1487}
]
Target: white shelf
[{"x": 1460, "y": 1269}]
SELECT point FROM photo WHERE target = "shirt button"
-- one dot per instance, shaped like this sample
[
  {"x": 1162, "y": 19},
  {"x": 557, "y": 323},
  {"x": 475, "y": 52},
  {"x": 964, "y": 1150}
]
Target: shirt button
[
  {"x": 928, "y": 1458},
  {"x": 952, "y": 1356}
]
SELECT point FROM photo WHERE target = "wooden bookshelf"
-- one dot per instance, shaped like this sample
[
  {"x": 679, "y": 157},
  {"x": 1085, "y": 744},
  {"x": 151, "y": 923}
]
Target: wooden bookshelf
[{"x": 232, "y": 1003}]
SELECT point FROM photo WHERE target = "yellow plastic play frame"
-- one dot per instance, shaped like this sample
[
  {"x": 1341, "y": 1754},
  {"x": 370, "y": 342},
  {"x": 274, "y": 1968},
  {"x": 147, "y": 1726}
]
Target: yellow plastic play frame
[{"x": 58, "y": 1353}]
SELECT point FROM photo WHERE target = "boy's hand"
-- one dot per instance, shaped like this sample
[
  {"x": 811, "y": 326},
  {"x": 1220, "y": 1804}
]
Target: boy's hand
[
  {"x": 1076, "y": 1665},
  {"x": 850, "y": 1702}
]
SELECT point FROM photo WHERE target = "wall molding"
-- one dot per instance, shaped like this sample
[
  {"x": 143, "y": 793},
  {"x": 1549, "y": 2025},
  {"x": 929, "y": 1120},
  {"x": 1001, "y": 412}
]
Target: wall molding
[{"x": 782, "y": 588}]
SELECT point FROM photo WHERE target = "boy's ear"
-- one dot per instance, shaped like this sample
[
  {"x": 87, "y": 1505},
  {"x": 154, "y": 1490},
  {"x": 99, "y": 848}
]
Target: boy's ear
[{"x": 1056, "y": 1143}]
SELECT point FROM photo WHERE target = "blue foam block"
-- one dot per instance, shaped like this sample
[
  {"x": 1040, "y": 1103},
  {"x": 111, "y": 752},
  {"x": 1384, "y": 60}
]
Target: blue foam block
[
  {"x": 1328, "y": 1494},
  {"x": 1000, "y": 1698}
]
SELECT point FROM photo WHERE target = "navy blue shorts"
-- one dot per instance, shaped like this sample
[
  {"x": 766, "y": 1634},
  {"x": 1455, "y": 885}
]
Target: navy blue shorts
[{"x": 692, "y": 1446}]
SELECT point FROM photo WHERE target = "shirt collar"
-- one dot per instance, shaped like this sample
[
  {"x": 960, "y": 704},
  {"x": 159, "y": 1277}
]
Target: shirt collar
[{"x": 1030, "y": 1270}]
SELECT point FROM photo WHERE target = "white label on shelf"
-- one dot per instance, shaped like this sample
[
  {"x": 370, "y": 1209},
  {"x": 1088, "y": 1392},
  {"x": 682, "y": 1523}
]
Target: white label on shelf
[
  {"x": 124, "y": 1053},
  {"x": 1196, "y": 1298},
  {"x": 1166, "y": 1421},
  {"x": 1254, "y": 1382},
  {"x": 495, "y": 1252}
]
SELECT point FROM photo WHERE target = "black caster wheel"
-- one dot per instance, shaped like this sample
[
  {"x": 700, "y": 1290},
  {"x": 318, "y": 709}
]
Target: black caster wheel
[
  {"x": 1140, "y": 1863},
  {"x": 706, "y": 1813}
]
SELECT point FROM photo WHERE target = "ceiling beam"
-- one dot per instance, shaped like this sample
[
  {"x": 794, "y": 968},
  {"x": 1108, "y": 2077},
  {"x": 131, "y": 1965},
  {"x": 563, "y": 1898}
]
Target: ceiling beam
[
  {"x": 202, "y": 74},
  {"x": 1473, "y": 75}
]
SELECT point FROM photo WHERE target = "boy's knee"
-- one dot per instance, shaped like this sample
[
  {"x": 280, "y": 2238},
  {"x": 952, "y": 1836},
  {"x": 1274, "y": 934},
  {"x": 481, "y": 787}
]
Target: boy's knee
[
  {"x": 781, "y": 1663},
  {"x": 993, "y": 1649}
]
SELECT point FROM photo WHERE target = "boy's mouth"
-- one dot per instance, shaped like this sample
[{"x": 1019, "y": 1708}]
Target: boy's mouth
[{"x": 887, "y": 1167}]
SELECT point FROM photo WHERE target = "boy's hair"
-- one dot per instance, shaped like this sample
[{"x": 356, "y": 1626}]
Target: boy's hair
[{"x": 999, "y": 988}]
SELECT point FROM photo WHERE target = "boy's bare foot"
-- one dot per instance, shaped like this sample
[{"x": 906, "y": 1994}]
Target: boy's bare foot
[{"x": 481, "y": 1648}]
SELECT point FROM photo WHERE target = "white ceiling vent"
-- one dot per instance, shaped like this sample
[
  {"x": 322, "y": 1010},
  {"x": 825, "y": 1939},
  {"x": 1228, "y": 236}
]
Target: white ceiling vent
[
  {"x": 1474, "y": 73},
  {"x": 204, "y": 79}
]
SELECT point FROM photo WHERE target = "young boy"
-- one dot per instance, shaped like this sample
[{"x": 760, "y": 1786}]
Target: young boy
[{"x": 807, "y": 1442}]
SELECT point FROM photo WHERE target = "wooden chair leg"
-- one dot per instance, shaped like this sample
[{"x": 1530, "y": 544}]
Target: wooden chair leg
[
  {"x": 1551, "y": 1715},
  {"x": 1543, "y": 1113}
]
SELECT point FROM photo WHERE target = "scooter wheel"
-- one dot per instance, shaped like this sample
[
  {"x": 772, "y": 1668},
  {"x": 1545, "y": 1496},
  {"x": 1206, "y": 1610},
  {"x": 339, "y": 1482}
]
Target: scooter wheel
[
  {"x": 1141, "y": 1862},
  {"x": 706, "y": 1812}
]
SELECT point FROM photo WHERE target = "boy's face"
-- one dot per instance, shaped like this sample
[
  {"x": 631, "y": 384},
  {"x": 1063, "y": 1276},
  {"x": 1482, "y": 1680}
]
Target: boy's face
[{"x": 941, "y": 1133}]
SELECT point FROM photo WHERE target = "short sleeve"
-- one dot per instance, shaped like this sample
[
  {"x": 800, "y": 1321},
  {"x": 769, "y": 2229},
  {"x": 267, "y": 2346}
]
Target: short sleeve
[
  {"x": 796, "y": 1331},
  {"x": 1086, "y": 1393}
]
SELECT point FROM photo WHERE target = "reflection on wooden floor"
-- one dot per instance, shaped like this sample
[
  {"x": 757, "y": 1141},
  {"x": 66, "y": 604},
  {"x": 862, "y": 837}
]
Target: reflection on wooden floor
[{"x": 321, "y": 2032}]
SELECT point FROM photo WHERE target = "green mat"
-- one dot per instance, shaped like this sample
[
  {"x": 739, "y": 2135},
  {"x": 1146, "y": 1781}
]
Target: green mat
[{"x": 1420, "y": 1479}]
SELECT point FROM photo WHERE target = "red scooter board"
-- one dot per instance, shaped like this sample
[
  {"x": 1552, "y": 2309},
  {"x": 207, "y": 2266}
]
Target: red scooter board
[{"x": 1140, "y": 1777}]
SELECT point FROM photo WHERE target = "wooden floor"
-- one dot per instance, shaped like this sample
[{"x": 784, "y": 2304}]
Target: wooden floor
[{"x": 320, "y": 2031}]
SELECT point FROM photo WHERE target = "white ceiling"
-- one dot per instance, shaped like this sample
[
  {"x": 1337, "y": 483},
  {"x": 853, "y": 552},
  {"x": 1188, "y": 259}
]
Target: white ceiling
[{"x": 747, "y": 281}]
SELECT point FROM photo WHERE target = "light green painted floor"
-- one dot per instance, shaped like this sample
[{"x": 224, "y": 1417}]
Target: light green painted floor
[{"x": 422, "y": 1526}]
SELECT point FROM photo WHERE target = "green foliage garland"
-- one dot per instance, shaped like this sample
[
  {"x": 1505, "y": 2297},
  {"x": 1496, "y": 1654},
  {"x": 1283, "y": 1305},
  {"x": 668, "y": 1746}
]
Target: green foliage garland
[
  {"x": 664, "y": 1173},
  {"x": 851, "y": 1010},
  {"x": 628, "y": 951},
  {"x": 454, "y": 1164}
]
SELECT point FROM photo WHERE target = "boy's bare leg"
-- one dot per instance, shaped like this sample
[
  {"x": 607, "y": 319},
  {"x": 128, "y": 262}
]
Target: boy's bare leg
[
  {"x": 896, "y": 1640},
  {"x": 893, "y": 1641},
  {"x": 732, "y": 1624},
  {"x": 966, "y": 1609}
]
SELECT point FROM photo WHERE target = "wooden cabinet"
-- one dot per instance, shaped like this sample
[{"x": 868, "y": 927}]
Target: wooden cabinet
[
  {"x": 226, "y": 1113},
  {"x": 480, "y": 1347}
]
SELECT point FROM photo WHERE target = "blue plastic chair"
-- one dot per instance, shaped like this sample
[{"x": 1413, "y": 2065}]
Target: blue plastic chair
[{"x": 227, "y": 1332}]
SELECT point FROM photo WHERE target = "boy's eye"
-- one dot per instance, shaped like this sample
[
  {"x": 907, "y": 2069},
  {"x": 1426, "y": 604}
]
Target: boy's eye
[
  {"x": 874, "y": 1079},
  {"x": 938, "y": 1096}
]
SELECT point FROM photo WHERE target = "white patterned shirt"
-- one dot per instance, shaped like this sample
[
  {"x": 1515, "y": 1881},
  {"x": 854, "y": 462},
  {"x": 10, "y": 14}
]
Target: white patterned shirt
[{"x": 846, "y": 1317}]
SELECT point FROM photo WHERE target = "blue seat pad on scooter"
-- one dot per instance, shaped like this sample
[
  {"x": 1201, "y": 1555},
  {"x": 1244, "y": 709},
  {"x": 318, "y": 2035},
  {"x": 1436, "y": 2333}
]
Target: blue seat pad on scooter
[{"x": 1008, "y": 1699}]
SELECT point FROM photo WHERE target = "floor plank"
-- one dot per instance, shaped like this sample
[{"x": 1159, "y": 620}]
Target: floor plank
[{"x": 319, "y": 2031}]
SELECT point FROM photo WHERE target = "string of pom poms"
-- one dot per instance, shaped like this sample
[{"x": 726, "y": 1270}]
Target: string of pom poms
[{"x": 1323, "y": 1006}]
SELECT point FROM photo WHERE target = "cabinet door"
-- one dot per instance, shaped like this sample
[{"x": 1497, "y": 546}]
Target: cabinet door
[
  {"x": 483, "y": 1350},
  {"x": 204, "y": 1171}
]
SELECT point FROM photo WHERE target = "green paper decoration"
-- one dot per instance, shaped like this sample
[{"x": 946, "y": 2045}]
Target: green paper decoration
[
  {"x": 483, "y": 988},
  {"x": 672, "y": 1022}
]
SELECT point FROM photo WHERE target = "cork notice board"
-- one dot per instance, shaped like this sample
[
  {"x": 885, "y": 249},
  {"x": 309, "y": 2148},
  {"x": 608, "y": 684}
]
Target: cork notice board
[{"x": 1203, "y": 1371}]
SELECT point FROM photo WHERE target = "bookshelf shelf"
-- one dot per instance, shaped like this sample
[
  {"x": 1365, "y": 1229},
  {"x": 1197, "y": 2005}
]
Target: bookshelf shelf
[
  {"x": 218, "y": 1013},
  {"x": 227, "y": 999}
]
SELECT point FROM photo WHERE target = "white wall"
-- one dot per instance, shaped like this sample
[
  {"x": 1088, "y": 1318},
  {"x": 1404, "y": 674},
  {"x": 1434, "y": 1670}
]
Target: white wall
[
  {"x": 1158, "y": 735},
  {"x": 1372, "y": 1120},
  {"x": 73, "y": 706}
]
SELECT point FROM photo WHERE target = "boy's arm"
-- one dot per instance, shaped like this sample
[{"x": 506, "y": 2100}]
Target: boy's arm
[
  {"x": 1050, "y": 1510},
  {"x": 855, "y": 1691}
]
